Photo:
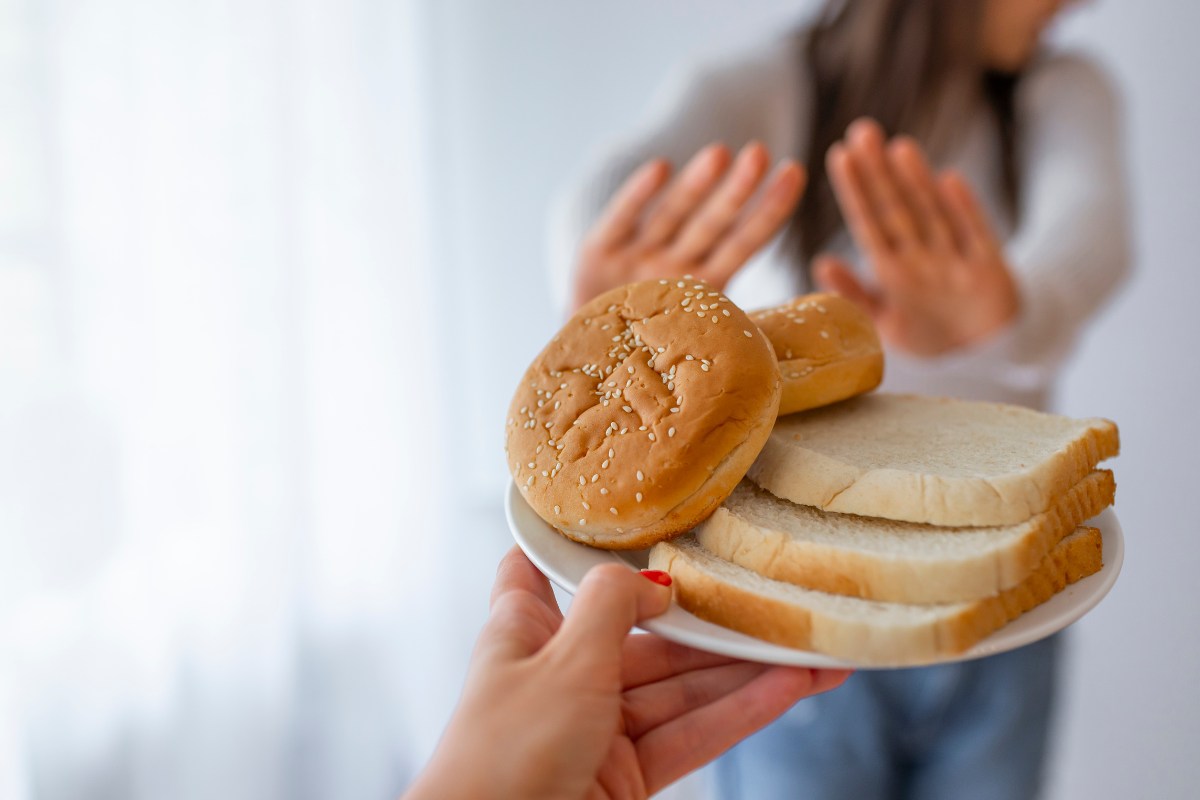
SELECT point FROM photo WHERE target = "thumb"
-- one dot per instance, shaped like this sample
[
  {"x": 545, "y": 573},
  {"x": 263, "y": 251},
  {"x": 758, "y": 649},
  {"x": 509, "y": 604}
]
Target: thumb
[
  {"x": 611, "y": 600},
  {"x": 835, "y": 275}
]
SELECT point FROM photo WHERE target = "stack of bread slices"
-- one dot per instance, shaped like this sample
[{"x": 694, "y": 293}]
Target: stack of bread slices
[{"x": 899, "y": 530}]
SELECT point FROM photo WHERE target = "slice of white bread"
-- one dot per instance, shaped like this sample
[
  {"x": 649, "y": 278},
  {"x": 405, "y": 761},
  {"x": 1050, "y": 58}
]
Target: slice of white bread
[
  {"x": 866, "y": 632},
  {"x": 930, "y": 459},
  {"x": 878, "y": 559}
]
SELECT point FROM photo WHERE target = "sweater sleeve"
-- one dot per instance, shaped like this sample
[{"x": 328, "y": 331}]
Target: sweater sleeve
[
  {"x": 732, "y": 101},
  {"x": 1072, "y": 248}
]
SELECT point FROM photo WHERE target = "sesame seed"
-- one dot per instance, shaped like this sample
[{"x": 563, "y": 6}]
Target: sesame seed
[
  {"x": 582, "y": 481},
  {"x": 545, "y": 474},
  {"x": 714, "y": 319},
  {"x": 612, "y": 511},
  {"x": 583, "y": 522},
  {"x": 603, "y": 490},
  {"x": 529, "y": 481},
  {"x": 824, "y": 334},
  {"x": 689, "y": 357},
  {"x": 610, "y": 450},
  {"x": 557, "y": 510},
  {"x": 586, "y": 507},
  {"x": 704, "y": 367},
  {"x": 652, "y": 436},
  {"x": 640, "y": 475},
  {"x": 670, "y": 431},
  {"x": 595, "y": 477},
  {"x": 674, "y": 409},
  {"x": 638, "y": 496},
  {"x": 604, "y": 464},
  {"x": 748, "y": 334},
  {"x": 531, "y": 465},
  {"x": 626, "y": 409},
  {"x": 725, "y": 311}
]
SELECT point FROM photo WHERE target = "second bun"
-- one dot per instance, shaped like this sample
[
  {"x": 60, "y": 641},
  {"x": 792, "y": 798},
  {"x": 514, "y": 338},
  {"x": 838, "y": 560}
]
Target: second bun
[{"x": 827, "y": 348}]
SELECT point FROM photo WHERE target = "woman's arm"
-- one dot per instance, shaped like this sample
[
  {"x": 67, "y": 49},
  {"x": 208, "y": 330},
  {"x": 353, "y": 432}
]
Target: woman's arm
[{"x": 1072, "y": 247}]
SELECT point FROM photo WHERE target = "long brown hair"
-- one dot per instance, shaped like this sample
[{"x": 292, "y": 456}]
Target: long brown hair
[{"x": 912, "y": 65}]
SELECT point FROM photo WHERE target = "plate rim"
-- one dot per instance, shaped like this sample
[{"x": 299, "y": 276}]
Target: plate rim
[{"x": 683, "y": 627}]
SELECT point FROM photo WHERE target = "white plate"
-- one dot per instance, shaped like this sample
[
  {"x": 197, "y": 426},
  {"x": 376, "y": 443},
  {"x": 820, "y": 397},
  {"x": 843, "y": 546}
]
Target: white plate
[{"x": 564, "y": 562}]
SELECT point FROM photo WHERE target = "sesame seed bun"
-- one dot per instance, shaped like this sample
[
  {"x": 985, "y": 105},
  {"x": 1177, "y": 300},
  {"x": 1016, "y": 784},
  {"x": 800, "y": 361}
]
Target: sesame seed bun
[
  {"x": 827, "y": 348},
  {"x": 642, "y": 414}
]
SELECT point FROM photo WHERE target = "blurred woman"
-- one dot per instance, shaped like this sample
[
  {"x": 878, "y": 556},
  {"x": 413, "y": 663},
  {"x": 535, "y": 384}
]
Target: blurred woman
[{"x": 965, "y": 187}]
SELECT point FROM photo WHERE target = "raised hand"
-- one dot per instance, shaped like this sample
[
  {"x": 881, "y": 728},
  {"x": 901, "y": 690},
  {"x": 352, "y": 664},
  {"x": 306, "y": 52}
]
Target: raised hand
[
  {"x": 702, "y": 223},
  {"x": 942, "y": 281},
  {"x": 578, "y": 708}
]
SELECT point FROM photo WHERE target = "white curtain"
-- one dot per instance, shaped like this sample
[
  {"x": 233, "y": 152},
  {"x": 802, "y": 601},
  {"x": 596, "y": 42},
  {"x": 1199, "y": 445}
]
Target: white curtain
[{"x": 218, "y": 434}]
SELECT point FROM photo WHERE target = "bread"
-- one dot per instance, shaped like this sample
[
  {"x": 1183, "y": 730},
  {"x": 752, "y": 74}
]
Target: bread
[
  {"x": 928, "y": 459},
  {"x": 642, "y": 413},
  {"x": 827, "y": 349},
  {"x": 902, "y": 562},
  {"x": 866, "y": 632}
]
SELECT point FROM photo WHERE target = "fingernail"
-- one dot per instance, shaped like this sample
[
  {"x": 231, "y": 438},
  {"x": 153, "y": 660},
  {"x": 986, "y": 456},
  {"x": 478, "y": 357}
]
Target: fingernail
[{"x": 658, "y": 576}]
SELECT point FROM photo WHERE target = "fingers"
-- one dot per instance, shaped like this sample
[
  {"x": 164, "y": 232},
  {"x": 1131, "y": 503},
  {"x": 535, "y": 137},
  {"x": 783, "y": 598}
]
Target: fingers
[
  {"x": 654, "y": 704},
  {"x": 519, "y": 625},
  {"x": 682, "y": 745},
  {"x": 619, "y": 220},
  {"x": 865, "y": 142},
  {"x": 759, "y": 225},
  {"x": 611, "y": 600},
  {"x": 723, "y": 205},
  {"x": 685, "y": 194},
  {"x": 648, "y": 659},
  {"x": 917, "y": 184},
  {"x": 835, "y": 275},
  {"x": 524, "y": 614},
  {"x": 968, "y": 218},
  {"x": 853, "y": 200},
  {"x": 517, "y": 572}
]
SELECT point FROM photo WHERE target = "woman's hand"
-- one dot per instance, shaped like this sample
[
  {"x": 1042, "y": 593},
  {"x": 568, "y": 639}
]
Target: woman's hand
[
  {"x": 942, "y": 280},
  {"x": 699, "y": 224},
  {"x": 579, "y": 708}
]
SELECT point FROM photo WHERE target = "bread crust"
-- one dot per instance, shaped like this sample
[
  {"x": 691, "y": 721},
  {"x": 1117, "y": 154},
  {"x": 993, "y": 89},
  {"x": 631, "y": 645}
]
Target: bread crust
[
  {"x": 642, "y": 413},
  {"x": 863, "y": 636},
  {"x": 929, "y": 573},
  {"x": 827, "y": 347},
  {"x": 876, "y": 455}
]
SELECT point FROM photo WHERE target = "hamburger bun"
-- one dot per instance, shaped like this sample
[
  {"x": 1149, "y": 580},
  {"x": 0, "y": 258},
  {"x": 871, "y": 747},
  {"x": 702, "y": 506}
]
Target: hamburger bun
[
  {"x": 642, "y": 414},
  {"x": 827, "y": 349}
]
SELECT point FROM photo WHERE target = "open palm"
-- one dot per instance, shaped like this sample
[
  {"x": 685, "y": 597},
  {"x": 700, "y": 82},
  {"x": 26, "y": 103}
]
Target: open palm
[
  {"x": 703, "y": 223},
  {"x": 941, "y": 278}
]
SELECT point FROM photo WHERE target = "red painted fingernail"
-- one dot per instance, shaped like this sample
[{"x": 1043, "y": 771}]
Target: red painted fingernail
[{"x": 658, "y": 576}]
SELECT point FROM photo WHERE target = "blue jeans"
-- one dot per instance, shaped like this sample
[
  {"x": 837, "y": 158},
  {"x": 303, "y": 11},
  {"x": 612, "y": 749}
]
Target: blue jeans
[{"x": 969, "y": 731}]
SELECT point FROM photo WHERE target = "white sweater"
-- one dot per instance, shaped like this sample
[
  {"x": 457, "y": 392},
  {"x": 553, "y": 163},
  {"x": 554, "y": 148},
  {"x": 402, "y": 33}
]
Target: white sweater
[{"x": 1069, "y": 253}]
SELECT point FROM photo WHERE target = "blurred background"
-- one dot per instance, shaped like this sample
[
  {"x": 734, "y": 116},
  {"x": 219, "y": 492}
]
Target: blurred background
[{"x": 268, "y": 274}]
